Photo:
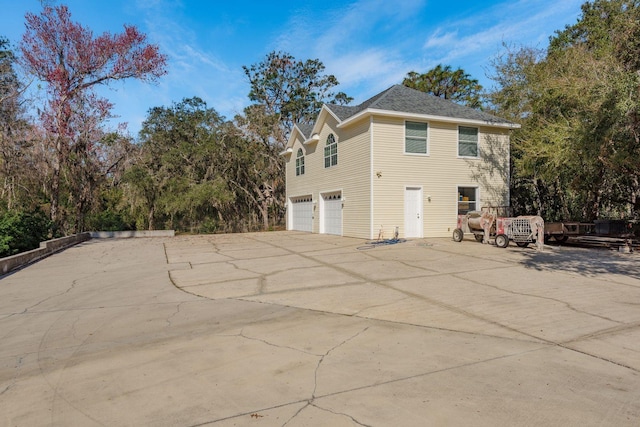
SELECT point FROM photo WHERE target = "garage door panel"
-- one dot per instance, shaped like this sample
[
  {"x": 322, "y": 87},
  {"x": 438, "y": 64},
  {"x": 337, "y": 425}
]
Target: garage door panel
[
  {"x": 302, "y": 214},
  {"x": 333, "y": 214}
]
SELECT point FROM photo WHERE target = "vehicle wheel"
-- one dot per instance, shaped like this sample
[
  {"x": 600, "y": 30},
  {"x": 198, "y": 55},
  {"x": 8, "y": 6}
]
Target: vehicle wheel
[
  {"x": 561, "y": 239},
  {"x": 502, "y": 241},
  {"x": 522, "y": 244},
  {"x": 458, "y": 235},
  {"x": 479, "y": 237}
]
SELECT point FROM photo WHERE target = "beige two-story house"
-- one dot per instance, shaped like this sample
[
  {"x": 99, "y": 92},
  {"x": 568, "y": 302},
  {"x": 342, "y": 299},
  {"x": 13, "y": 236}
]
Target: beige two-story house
[{"x": 401, "y": 159}]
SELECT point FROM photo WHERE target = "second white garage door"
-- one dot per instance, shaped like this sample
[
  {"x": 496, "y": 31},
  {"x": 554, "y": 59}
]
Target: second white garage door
[{"x": 331, "y": 214}]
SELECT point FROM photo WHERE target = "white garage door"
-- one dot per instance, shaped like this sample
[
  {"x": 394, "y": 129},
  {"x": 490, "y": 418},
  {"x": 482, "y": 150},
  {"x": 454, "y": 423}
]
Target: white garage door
[
  {"x": 302, "y": 215},
  {"x": 332, "y": 213}
]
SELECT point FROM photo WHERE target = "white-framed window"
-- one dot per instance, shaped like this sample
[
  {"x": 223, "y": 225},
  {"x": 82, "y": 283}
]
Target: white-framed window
[
  {"x": 467, "y": 199},
  {"x": 467, "y": 141},
  {"x": 330, "y": 152},
  {"x": 300, "y": 162},
  {"x": 415, "y": 138}
]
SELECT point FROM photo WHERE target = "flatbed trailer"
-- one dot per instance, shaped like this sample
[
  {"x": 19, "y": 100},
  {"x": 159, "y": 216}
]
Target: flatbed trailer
[
  {"x": 616, "y": 234},
  {"x": 561, "y": 231}
]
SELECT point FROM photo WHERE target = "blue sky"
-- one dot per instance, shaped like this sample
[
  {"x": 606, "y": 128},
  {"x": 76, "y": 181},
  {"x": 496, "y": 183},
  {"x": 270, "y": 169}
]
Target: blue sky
[{"x": 368, "y": 45}]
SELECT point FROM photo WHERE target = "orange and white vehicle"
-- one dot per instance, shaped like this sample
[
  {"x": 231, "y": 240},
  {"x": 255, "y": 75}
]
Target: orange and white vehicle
[{"x": 486, "y": 225}]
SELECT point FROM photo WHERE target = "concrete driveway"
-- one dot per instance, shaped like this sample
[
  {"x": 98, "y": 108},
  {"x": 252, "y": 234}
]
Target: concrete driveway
[{"x": 286, "y": 328}]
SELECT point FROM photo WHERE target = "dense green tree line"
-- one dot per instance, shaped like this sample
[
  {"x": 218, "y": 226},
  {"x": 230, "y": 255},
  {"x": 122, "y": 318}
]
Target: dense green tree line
[
  {"x": 189, "y": 169},
  {"x": 576, "y": 155}
]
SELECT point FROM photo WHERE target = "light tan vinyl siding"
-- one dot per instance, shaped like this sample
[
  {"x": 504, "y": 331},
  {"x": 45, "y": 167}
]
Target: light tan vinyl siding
[
  {"x": 438, "y": 174},
  {"x": 351, "y": 175}
]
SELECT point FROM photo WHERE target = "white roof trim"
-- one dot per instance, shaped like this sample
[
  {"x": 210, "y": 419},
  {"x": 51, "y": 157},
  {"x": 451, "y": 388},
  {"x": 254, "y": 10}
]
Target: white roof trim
[
  {"x": 372, "y": 111},
  {"x": 286, "y": 151},
  {"x": 314, "y": 138},
  {"x": 317, "y": 126}
]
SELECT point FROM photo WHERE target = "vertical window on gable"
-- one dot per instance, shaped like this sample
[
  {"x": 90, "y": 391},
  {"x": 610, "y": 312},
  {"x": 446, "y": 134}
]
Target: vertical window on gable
[
  {"x": 467, "y": 142},
  {"x": 415, "y": 138},
  {"x": 300, "y": 162},
  {"x": 330, "y": 152}
]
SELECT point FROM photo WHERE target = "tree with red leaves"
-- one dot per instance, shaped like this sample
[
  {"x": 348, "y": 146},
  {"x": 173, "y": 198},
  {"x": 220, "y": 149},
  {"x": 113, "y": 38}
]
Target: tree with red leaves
[{"x": 71, "y": 62}]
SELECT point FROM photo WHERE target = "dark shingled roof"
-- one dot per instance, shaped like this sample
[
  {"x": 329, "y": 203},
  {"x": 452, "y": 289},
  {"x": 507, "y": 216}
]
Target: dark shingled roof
[
  {"x": 305, "y": 128},
  {"x": 402, "y": 99}
]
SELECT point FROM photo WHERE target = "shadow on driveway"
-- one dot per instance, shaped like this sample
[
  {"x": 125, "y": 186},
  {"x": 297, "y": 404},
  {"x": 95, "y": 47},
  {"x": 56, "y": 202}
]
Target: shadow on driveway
[{"x": 586, "y": 262}]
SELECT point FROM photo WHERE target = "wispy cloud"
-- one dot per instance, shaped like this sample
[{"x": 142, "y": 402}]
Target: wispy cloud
[
  {"x": 441, "y": 39},
  {"x": 525, "y": 22},
  {"x": 368, "y": 45},
  {"x": 358, "y": 42},
  {"x": 194, "y": 69}
]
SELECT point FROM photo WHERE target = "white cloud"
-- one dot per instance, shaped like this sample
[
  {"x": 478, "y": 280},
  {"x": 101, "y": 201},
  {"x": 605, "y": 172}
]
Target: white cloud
[
  {"x": 359, "y": 43},
  {"x": 440, "y": 38},
  {"x": 526, "y": 22}
]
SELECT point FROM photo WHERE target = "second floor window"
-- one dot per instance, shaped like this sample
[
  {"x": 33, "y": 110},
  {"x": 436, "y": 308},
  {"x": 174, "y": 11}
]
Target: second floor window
[
  {"x": 300, "y": 162},
  {"x": 467, "y": 142},
  {"x": 331, "y": 152},
  {"x": 415, "y": 138}
]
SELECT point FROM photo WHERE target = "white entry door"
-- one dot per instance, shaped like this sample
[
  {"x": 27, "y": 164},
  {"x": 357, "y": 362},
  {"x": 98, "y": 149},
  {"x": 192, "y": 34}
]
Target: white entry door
[{"x": 413, "y": 212}]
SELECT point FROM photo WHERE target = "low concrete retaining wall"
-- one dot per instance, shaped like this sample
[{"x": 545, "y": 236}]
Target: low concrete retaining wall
[
  {"x": 51, "y": 246},
  {"x": 131, "y": 234},
  {"x": 46, "y": 248}
]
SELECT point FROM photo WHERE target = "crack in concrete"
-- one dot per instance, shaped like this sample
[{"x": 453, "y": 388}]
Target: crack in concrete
[
  {"x": 609, "y": 331},
  {"x": 310, "y": 402},
  {"x": 410, "y": 294},
  {"x": 175, "y": 313},
  {"x": 359, "y": 312},
  {"x": 264, "y": 341},
  {"x": 55, "y": 388},
  {"x": 565, "y": 303},
  {"x": 69, "y": 289},
  {"x": 315, "y": 405},
  {"x": 595, "y": 356},
  {"x": 248, "y": 413},
  {"x": 546, "y": 342},
  {"x": 506, "y": 264},
  {"x": 29, "y": 310},
  {"x": 437, "y": 371},
  {"x": 12, "y": 382},
  {"x": 354, "y": 336},
  {"x": 314, "y": 400}
]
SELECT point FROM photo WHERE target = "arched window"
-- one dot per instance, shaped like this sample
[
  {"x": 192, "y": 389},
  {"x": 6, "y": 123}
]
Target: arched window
[
  {"x": 300, "y": 162},
  {"x": 331, "y": 152}
]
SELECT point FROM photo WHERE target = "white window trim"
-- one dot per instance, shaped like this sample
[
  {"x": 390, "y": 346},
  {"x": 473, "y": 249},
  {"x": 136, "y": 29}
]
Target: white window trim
[
  {"x": 324, "y": 157},
  {"x": 458, "y": 142},
  {"x": 404, "y": 138},
  {"x": 478, "y": 196},
  {"x": 302, "y": 158}
]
